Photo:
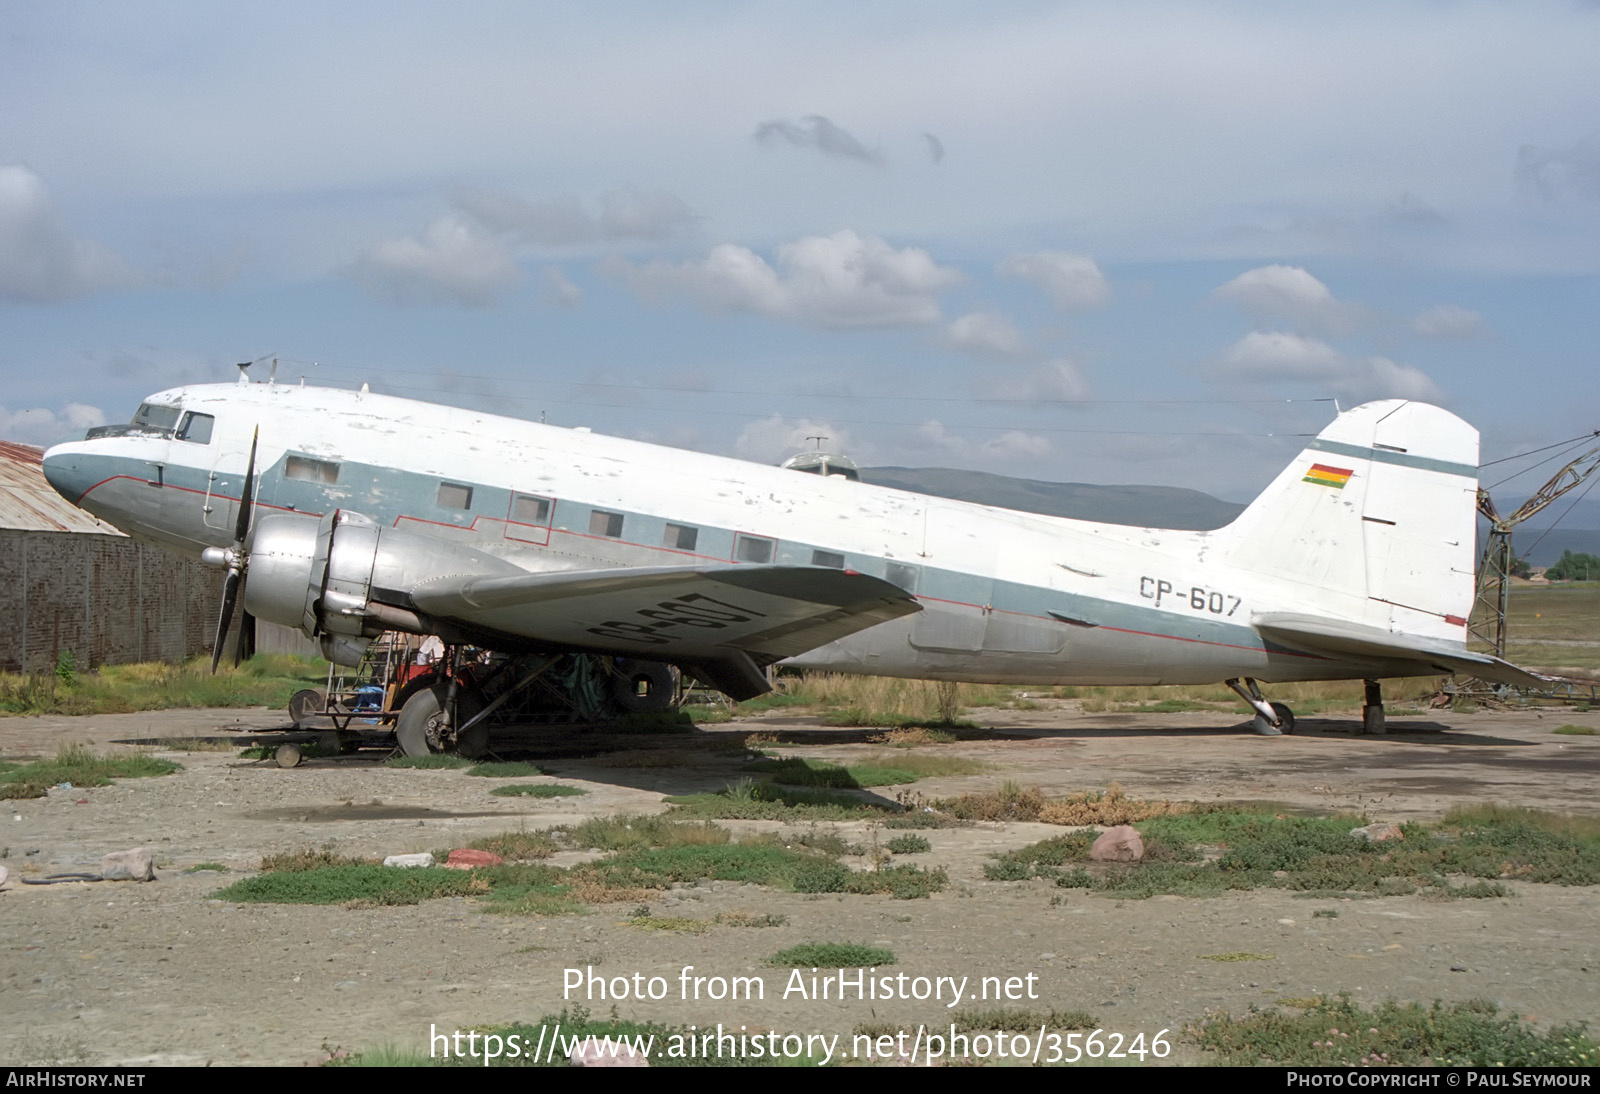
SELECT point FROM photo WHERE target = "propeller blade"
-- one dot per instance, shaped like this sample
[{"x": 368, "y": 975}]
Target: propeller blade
[
  {"x": 247, "y": 498},
  {"x": 246, "y": 644},
  {"x": 230, "y": 596}
]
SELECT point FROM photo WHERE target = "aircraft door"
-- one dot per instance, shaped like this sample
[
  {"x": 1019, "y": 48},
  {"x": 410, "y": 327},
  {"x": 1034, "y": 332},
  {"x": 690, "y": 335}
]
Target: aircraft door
[{"x": 957, "y": 582}]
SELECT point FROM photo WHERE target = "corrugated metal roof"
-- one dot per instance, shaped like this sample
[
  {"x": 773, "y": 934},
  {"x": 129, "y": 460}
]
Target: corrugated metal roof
[{"x": 28, "y": 503}]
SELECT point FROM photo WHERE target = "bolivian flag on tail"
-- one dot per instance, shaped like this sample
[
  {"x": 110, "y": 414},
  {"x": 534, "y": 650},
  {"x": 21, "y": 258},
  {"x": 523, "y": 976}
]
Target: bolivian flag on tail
[{"x": 1323, "y": 475}]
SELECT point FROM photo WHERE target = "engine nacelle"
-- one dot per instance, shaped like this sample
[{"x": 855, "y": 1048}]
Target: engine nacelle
[{"x": 343, "y": 580}]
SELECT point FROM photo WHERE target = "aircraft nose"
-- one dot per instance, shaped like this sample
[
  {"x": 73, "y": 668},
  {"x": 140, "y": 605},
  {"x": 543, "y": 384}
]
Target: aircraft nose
[{"x": 63, "y": 470}]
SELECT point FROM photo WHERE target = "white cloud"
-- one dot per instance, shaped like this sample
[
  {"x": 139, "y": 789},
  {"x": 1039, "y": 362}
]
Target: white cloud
[
  {"x": 1010, "y": 445},
  {"x": 557, "y": 291},
  {"x": 1559, "y": 175},
  {"x": 775, "y": 439},
  {"x": 453, "y": 261},
  {"x": 845, "y": 280},
  {"x": 1052, "y": 381},
  {"x": 40, "y": 261},
  {"x": 1288, "y": 293},
  {"x": 563, "y": 221},
  {"x": 1071, "y": 282},
  {"x": 819, "y": 133},
  {"x": 1450, "y": 322},
  {"x": 1269, "y": 356},
  {"x": 987, "y": 334},
  {"x": 40, "y": 426}
]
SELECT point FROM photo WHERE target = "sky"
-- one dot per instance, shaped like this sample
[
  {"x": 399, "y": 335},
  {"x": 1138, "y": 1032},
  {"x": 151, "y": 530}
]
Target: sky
[{"x": 1122, "y": 242}]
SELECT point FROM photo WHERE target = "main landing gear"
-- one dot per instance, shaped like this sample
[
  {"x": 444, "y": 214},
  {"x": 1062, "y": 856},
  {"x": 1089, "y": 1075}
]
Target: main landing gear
[{"x": 1272, "y": 719}]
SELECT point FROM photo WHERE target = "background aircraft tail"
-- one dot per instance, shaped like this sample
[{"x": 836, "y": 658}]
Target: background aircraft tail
[{"x": 1375, "y": 521}]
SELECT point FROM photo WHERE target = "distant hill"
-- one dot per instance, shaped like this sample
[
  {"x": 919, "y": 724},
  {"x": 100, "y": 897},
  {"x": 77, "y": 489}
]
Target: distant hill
[{"x": 1141, "y": 506}]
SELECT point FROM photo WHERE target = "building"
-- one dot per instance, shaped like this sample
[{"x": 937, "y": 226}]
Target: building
[{"x": 72, "y": 583}]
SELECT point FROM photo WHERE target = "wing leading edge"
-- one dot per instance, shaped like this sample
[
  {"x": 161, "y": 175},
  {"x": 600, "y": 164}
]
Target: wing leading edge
[
  {"x": 724, "y": 623},
  {"x": 1345, "y": 641}
]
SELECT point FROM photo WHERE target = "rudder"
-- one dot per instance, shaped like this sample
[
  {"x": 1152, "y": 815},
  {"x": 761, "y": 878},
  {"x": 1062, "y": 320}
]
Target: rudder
[{"x": 1374, "y": 522}]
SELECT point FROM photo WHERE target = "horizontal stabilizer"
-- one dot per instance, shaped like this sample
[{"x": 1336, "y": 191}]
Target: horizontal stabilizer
[{"x": 1343, "y": 640}]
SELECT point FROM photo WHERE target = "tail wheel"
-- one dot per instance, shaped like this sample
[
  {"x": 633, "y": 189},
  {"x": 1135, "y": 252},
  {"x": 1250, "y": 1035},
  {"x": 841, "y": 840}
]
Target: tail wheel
[
  {"x": 643, "y": 687},
  {"x": 421, "y": 728}
]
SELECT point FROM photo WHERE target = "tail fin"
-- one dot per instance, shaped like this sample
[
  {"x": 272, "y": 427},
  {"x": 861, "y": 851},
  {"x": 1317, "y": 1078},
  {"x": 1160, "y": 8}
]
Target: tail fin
[{"x": 1375, "y": 521}]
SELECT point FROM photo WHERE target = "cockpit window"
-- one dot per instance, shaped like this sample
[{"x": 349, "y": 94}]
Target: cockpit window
[
  {"x": 152, "y": 416},
  {"x": 196, "y": 428}
]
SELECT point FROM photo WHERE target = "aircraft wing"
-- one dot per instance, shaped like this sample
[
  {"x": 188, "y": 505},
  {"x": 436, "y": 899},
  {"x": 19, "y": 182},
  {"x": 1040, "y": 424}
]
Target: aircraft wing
[
  {"x": 1345, "y": 641},
  {"x": 724, "y": 623}
]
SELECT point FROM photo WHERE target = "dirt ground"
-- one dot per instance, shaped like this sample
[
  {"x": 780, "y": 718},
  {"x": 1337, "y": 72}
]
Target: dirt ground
[{"x": 164, "y": 973}]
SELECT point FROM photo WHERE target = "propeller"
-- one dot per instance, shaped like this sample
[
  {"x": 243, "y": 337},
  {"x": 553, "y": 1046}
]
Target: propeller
[{"x": 237, "y": 561}]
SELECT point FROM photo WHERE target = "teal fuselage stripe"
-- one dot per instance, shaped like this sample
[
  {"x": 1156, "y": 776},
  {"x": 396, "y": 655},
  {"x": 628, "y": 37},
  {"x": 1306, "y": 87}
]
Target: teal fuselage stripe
[
  {"x": 385, "y": 494},
  {"x": 1399, "y": 459}
]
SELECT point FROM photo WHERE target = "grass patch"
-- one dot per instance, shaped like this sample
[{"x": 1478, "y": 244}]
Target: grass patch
[
  {"x": 654, "y": 721},
  {"x": 265, "y": 680},
  {"x": 536, "y": 790},
  {"x": 909, "y": 845},
  {"x": 207, "y": 868},
  {"x": 832, "y": 955},
  {"x": 507, "y": 770},
  {"x": 912, "y": 737},
  {"x": 631, "y": 831},
  {"x": 431, "y": 762},
  {"x": 1339, "y": 1033},
  {"x": 1575, "y": 731},
  {"x": 748, "y": 919},
  {"x": 1020, "y": 1021},
  {"x": 364, "y": 885},
  {"x": 77, "y": 765},
  {"x": 872, "y": 771},
  {"x": 671, "y": 924},
  {"x": 1208, "y": 851},
  {"x": 517, "y": 846},
  {"x": 287, "y": 862},
  {"x": 750, "y": 800}
]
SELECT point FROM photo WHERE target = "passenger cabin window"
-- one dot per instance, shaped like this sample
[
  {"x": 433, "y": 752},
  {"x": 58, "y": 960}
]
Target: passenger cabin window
[
  {"x": 196, "y": 428},
  {"x": 753, "y": 549},
  {"x": 827, "y": 558},
  {"x": 453, "y": 495},
  {"x": 681, "y": 536},
  {"x": 306, "y": 469},
  {"x": 605, "y": 524},
  {"x": 898, "y": 573},
  {"x": 530, "y": 510}
]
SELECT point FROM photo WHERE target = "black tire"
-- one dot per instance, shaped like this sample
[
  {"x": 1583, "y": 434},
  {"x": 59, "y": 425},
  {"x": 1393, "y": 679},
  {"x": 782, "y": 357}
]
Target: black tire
[
  {"x": 643, "y": 687},
  {"x": 421, "y": 711}
]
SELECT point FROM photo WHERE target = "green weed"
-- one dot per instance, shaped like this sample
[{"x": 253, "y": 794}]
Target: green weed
[
  {"x": 832, "y": 955},
  {"x": 1339, "y": 1033},
  {"x": 536, "y": 790},
  {"x": 77, "y": 765},
  {"x": 505, "y": 770}
]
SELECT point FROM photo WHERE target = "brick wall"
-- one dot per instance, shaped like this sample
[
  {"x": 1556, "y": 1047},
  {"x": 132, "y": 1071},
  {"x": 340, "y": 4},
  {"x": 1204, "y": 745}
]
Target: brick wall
[{"x": 108, "y": 599}]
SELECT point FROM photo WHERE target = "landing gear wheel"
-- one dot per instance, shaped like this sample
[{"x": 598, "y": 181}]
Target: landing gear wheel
[
  {"x": 1285, "y": 722},
  {"x": 641, "y": 687},
  {"x": 420, "y": 727},
  {"x": 1267, "y": 729},
  {"x": 305, "y": 705}
]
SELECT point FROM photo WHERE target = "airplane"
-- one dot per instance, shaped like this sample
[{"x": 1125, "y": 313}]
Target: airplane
[{"x": 349, "y": 513}]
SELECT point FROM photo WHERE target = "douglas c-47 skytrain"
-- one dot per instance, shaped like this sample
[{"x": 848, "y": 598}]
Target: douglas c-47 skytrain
[{"x": 347, "y": 513}]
